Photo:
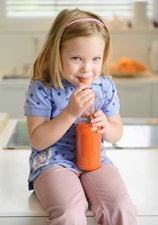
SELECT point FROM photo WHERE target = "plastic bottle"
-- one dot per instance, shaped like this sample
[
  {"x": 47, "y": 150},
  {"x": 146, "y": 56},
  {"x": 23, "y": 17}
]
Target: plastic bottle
[{"x": 88, "y": 147}]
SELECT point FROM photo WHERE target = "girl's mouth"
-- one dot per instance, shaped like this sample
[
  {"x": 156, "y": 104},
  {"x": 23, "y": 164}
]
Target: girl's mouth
[{"x": 83, "y": 79}]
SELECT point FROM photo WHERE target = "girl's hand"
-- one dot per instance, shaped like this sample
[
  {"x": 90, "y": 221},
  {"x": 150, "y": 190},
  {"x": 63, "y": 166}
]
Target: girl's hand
[
  {"x": 99, "y": 120},
  {"x": 80, "y": 100}
]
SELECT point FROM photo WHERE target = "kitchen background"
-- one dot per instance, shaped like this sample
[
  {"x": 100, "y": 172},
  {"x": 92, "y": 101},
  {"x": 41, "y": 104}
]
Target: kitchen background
[
  {"x": 134, "y": 34},
  {"x": 134, "y": 30}
]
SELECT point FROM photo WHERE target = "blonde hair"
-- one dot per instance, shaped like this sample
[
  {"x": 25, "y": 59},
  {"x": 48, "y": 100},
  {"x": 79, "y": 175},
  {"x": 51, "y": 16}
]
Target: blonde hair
[{"x": 47, "y": 67}]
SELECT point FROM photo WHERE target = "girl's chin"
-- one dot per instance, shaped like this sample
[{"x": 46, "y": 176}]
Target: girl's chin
[{"x": 75, "y": 82}]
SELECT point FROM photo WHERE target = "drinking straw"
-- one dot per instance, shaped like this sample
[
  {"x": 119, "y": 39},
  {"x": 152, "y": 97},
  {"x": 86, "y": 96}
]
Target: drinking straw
[{"x": 83, "y": 80}]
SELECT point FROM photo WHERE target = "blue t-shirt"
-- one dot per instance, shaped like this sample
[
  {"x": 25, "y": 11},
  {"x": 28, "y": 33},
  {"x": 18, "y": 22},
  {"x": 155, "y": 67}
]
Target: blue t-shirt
[{"x": 49, "y": 102}]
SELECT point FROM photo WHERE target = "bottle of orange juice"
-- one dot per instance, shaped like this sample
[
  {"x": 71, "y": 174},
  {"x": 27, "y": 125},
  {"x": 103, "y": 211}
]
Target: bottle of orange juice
[{"x": 88, "y": 146}]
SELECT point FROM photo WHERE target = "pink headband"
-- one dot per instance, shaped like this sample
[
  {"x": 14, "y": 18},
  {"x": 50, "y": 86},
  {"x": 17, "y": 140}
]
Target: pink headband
[{"x": 85, "y": 19}]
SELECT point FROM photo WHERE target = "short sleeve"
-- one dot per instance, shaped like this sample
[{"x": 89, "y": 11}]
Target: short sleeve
[
  {"x": 38, "y": 100},
  {"x": 111, "y": 104}
]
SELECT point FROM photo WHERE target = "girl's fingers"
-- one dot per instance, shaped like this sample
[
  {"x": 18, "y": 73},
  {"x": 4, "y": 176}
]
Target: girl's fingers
[
  {"x": 98, "y": 113},
  {"x": 99, "y": 119},
  {"x": 83, "y": 95},
  {"x": 102, "y": 131},
  {"x": 81, "y": 88},
  {"x": 99, "y": 124}
]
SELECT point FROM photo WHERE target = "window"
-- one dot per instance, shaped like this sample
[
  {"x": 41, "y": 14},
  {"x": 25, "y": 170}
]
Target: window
[{"x": 49, "y": 8}]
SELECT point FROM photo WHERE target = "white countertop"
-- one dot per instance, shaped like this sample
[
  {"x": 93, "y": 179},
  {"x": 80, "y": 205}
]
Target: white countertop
[
  {"x": 15, "y": 198},
  {"x": 153, "y": 78},
  {"x": 149, "y": 78}
]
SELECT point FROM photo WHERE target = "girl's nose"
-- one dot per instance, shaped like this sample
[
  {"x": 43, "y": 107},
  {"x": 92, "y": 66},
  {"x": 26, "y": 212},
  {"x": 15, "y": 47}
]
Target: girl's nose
[{"x": 86, "y": 67}]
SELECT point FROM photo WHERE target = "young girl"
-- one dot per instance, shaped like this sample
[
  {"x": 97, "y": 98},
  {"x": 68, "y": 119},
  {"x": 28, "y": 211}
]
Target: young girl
[{"x": 76, "y": 48}]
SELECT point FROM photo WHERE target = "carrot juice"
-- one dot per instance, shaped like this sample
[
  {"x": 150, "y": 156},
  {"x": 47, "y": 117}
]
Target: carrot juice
[{"x": 88, "y": 147}]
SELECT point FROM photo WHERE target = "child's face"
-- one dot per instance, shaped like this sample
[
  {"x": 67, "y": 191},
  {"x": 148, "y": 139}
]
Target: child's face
[{"x": 82, "y": 57}]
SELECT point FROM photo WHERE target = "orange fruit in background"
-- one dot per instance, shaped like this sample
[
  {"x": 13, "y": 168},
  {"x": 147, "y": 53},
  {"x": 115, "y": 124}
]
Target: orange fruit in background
[{"x": 126, "y": 64}]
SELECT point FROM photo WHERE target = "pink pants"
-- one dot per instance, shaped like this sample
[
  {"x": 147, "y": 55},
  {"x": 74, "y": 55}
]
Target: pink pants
[{"x": 67, "y": 194}]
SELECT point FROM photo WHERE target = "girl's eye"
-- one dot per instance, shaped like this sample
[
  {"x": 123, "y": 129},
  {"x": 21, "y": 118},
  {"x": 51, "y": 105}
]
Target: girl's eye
[
  {"x": 96, "y": 58},
  {"x": 76, "y": 58}
]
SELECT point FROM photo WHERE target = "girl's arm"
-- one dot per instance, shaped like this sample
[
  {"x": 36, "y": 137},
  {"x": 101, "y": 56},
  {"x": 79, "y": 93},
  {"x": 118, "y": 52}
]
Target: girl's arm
[{"x": 44, "y": 132}]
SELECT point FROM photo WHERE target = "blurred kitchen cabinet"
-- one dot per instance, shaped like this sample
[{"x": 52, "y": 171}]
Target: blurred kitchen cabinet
[
  {"x": 12, "y": 94},
  {"x": 154, "y": 100},
  {"x": 135, "y": 98}
]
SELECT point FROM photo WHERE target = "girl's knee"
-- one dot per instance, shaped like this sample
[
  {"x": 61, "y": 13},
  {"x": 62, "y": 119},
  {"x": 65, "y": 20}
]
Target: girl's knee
[
  {"x": 75, "y": 216},
  {"x": 125, "y": 206},
  {"x": 120, "y": 211},
  {"x": 124, "y": 211},
  {"x": 69, "y": 215}
]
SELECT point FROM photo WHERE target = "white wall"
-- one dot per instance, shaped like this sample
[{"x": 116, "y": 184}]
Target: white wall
[
  {"x": 20, "y": 42},
  {"x": 135, "y": 44}
]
